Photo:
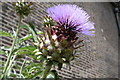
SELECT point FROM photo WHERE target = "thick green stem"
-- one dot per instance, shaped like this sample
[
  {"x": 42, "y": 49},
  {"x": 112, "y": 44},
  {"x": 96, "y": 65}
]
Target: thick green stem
[
  {"x": 11, "y": 51},
  {"x": 46, "y": 71}
]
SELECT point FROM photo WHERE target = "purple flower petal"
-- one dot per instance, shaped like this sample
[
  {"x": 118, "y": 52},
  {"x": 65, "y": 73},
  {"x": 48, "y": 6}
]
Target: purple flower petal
[{"x": 72, "y": 16}]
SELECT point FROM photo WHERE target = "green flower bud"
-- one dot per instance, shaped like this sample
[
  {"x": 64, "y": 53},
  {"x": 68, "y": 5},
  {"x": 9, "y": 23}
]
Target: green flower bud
[{"x": 23, "y": 8}]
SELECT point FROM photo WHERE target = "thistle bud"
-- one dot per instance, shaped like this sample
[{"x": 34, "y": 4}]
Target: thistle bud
[{"x": 23, "y": 8}]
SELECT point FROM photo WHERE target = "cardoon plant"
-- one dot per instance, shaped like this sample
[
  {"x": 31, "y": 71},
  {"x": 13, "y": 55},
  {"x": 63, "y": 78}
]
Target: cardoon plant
[
  {"x": 62, "y": 25},
  {"x": 22, "y": 9},
  {"x": 52, "y": 47}
]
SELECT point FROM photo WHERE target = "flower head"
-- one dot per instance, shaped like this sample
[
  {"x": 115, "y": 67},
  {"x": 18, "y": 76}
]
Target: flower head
[
  {"x": 23, "y": 8},
  {"x": 72, "y": 17}
]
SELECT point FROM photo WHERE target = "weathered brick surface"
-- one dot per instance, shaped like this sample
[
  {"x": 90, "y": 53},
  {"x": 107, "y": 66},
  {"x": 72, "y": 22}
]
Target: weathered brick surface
[{"x": 99, "y": 60}]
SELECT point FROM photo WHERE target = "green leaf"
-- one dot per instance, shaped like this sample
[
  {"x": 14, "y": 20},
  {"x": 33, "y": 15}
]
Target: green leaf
[
  {"x": 2, "y": 52},
  {"x": 26, "y": 50},
  {"x": 67, "y": 63},
  {"x": 29, "y": 48},
  {"x": 5, "y": 48},
  {"x": 13, "y": 75},
  {"x": 52, "y": 75},
  {"x": 31, "y": 29},
  {"x": 5, "y": 34},
  {"x": 36, "y": 74},
  {"x": 40, "y": 32},
  {"x": 23, "y": 26},
  {"x": 28, "y": 36},
  {"x": 60, "y": 60},
  {"x": 31, "y": 25},
  {"x": 1, "y": 67},
  {"x": 60, "y": 66}
]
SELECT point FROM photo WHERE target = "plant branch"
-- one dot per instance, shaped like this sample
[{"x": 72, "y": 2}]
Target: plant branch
[{"x": 11, "y": 51}]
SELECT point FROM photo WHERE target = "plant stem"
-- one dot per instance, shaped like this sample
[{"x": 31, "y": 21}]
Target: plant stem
[
  {"x": 46, "y": 71},
  {"x": 11, "y": 51},
  {"x": 22, "y": 66},
  {"x": 11, "y": 63}
]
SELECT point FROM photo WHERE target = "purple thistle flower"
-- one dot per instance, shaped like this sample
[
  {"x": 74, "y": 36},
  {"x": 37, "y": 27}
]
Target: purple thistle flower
[{"x": 72, "y": 17}]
